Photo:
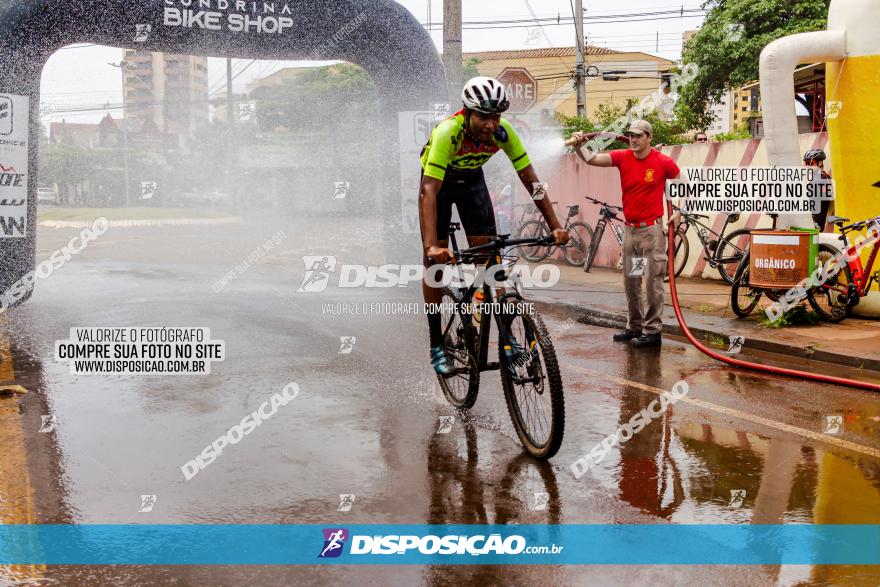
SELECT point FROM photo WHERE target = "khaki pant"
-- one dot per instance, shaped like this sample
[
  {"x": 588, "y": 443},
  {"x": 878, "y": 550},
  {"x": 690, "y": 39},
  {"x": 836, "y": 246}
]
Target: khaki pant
[{"x": 644, "y": 255}]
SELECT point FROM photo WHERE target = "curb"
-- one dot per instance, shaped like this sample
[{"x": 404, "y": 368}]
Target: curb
[
  {"x": 138, "y": 223},
  {"x": 607, "y": 319}
]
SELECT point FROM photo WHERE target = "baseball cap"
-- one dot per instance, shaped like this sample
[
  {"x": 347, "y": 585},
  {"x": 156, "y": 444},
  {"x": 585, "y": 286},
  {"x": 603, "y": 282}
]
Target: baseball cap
[{"x": 640, "y": 126}]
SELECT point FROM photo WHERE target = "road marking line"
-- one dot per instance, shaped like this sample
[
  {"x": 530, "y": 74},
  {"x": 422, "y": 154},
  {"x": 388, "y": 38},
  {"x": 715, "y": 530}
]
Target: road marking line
[{"x": 839, "y": 442}]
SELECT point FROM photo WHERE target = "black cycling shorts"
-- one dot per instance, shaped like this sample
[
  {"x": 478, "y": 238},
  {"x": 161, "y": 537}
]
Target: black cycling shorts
[{"x": 468, "y": 191}]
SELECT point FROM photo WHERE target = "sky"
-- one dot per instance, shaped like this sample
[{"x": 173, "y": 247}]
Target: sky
[{"x": 80, "y": 77}]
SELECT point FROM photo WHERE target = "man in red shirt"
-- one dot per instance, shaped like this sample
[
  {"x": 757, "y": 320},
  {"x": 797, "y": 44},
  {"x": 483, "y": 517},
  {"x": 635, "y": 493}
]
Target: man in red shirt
[{"x": 643, "y": 175}]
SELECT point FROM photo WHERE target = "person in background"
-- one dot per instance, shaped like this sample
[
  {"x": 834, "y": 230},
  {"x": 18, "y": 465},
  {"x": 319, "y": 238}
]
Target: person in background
[
  {"x": 701, "y": 137},
  {"x": 816, "y": 158},
  {"x": 643, "y": 175}
]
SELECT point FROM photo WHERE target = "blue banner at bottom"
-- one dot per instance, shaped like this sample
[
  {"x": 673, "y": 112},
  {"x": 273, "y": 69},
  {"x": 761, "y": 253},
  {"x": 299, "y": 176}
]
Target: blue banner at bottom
[{"x": 137, "y": 544}]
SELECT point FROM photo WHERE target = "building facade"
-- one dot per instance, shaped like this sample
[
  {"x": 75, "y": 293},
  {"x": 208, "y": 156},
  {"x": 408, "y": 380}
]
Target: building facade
[
  {"x": 165, "y": 91},
  {"x": 550, "y": 73}
]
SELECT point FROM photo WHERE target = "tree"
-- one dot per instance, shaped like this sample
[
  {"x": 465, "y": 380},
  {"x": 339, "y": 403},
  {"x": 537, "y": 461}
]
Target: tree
[
  {"x": 727, "y": 47},
  {"x": 666, "y": 132},
  {"x": 341, "y": 94},
  {"x": 469, "y": 68}
]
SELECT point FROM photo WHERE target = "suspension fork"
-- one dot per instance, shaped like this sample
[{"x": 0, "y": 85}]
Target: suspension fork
[{"x": 600, "y": 229}]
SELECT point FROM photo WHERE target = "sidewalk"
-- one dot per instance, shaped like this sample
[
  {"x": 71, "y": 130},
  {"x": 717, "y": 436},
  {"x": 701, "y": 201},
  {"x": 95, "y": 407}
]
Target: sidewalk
[{"x": 597, "y": 298}]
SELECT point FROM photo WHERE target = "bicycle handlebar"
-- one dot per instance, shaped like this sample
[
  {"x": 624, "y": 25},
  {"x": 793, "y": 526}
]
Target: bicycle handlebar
[
  {"x": 502, "y": 242},
  {"x": 692, "y": 215},
  {"x": 601, "y": 203},
  {"x": 860, "y": 225}
]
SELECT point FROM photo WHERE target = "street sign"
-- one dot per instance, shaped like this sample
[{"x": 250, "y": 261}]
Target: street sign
[{"x": 521, "y": 87}]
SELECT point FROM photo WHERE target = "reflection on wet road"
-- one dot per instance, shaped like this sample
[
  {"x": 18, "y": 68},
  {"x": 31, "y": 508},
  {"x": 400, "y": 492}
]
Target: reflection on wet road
[{"x": 368, "y": 440}]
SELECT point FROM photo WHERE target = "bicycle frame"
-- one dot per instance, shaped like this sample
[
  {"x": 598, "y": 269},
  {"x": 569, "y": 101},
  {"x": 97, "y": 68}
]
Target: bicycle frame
[
  {"x": 606, "y": 218},
  {"x": 481, "y": 344},
  {"x": 862, "y": 277},
  {"x": 703, "y": 232}
]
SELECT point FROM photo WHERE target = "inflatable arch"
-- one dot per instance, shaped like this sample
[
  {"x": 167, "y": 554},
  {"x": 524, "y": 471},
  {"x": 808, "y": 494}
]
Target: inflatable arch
[{"x": 378, "y": 35}]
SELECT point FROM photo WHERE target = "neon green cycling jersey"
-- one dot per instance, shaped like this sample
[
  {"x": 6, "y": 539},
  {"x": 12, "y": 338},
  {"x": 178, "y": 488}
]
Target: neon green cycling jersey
[{"x": 451, "y": 146}]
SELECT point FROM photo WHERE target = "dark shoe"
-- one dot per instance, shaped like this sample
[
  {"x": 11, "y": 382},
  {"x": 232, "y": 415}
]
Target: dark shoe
[
  {"x": 515, "y": 351},
  {"x": 441, "y": 362},
  {"x": 626, "y": 336},
  {"x": 647, "y": 340}
]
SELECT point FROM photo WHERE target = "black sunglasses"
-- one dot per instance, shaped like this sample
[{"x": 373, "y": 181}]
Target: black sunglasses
[{"x": 494, "y": 105}]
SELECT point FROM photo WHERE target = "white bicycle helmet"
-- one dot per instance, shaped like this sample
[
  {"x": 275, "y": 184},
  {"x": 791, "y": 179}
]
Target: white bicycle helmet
[{"x": 485, "y": 94}]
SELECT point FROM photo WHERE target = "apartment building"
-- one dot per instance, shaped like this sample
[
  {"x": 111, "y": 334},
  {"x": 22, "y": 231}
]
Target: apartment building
[{"x": 165, "y": 91}]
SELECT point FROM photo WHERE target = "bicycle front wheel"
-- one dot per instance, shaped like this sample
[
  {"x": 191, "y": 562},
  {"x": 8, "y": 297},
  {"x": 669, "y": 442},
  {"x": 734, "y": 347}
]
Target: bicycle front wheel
[
  {"x": 729, "y": 252},
  {"x": 743, "y": 298},
  {"x": 535, "y": 229},
  {"x": 580, "y": 237},
  {"x": 682, "y": 251},
  {"x": 462, "y": 386},
  {"x": 594, "y": 247},
  {"x": 831, "y": 298},
  {"x": 532, "y": 383}
]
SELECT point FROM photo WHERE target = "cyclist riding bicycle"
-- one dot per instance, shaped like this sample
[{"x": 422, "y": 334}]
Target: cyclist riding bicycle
[
  {"x": 816, "y": 158},
  {"x": 452, "y": 173}
]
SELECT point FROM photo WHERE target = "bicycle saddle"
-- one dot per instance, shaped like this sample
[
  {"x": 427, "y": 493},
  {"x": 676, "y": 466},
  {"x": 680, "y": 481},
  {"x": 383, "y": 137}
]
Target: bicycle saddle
[{"x": 837, "y": 219}]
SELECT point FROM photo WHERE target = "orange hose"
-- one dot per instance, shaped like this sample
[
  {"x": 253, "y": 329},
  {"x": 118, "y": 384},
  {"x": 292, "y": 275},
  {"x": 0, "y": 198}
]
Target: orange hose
[{"x": 670, "y": 229}]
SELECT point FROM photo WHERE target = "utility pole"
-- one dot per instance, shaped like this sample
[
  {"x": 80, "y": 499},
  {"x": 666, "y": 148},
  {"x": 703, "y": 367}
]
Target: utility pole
[
  {"x": 121, "y": 66},
  {"x": 232, "y": 154},
  {"x": 452, "y": 47},
  {"x": 580, "y": 88}
]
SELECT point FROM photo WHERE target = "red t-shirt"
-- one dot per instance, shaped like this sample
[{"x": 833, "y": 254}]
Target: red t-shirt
[{"x": 643, "y": 182}]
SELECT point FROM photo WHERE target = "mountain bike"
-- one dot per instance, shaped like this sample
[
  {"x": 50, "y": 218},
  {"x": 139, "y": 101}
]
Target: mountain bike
[
  {"x": 607, "y": 215},
  {"x": 835, "y": 298},
  {"x": 744, "y": 297},
  {"x": 529, "y": 226},
  {"x": 527, "y": 360},
  {"x": 722, "y": 252},
  {"x": 574, "y": 251}
]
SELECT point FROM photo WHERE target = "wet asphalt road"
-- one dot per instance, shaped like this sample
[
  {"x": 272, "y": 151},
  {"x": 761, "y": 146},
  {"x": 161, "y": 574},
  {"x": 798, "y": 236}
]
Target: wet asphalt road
[{"x": 365, "y": 423}]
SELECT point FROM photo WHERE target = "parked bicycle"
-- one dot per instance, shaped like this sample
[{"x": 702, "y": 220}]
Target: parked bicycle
[
  {"x": 607, "y": 215},
  {"x": 527, "y": 361},
  {"x": 744, "y": 296},
  {"x": 574, "y": 251},
  {"x": 834, "y": 299},
  {"x": 722, "y": 251}
]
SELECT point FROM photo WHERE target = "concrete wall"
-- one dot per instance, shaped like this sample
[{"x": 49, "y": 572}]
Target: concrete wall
[{"x": 570, "y": 180}]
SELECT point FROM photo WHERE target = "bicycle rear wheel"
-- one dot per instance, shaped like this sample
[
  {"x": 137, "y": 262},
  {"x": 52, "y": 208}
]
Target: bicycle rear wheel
[
  {"x": 729, "y": 251},
  {"x": 743, "y": 299},
  {"x": 682, "y": 251},
  {"x": 461, "y": 387},
  {"x": 535, "y": 229},
  {"x": 594, "y": 247},
  {"x": 580, "y": 236},
  {"x": 830, "y": 299},
  {"x": 532, "y": 383}
]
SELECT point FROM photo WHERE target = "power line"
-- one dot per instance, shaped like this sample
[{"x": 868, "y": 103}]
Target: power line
[
  {"x": 234, "y": 77},
  {"x": 560, "y": 20},
  {"x": 588, "y": 17}
]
